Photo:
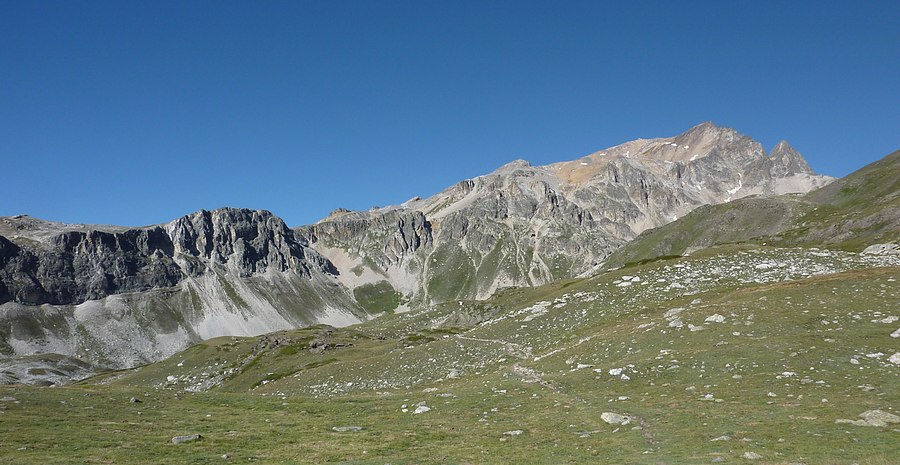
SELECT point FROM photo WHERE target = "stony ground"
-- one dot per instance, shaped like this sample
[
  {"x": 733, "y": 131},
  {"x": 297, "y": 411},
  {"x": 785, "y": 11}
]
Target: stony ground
[{"x": 738, "y": 355}]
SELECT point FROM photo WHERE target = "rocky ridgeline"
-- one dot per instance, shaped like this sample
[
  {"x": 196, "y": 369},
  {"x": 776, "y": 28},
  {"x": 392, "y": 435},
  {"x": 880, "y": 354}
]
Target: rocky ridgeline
[
  {"x": 526, "y": 225},
  {"x": 117, "y": 297},
  {"x": 74, "y": 266}
]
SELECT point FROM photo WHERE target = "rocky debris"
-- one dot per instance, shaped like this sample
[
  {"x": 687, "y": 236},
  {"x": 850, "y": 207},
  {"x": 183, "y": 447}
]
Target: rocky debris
[
  {"x": 716, "y": 318},
  {"x": 347, "y": 429},
  {"x": 135, "y": 400},
  {"x": 882, "y": 249},
  {"x": 515, "y": 432},
  {"x": 877, "y": 418},
  {"x": 185, "y": 439},
  {"x": 421, "y": 409},
  {"x": 751, "y": 456},
  {"x": 615, "y": 418}
]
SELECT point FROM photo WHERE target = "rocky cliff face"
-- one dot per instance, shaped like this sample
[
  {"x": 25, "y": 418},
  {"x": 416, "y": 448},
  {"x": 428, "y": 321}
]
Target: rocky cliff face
[
  {"x": 118, "y": 297},
  {"x": 527, "y": 225}
]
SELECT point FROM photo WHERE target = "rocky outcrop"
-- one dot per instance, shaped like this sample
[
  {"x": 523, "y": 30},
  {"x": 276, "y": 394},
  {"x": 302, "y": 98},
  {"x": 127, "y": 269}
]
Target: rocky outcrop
[
  {"x": 74, "y": 266},
  {"x": 117, "y": 297},
  {"x": 386, "y": 238}
]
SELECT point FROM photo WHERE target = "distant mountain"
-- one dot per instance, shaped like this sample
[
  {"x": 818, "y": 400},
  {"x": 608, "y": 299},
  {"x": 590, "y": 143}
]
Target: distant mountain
[
  {"x": 117, "y": 297},
  {"x": 851, "y": 213},
  {"x": 526, "y": 225}
]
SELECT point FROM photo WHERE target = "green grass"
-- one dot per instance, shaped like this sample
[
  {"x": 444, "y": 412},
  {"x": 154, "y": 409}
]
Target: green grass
[
  {"x": 280, "y": 399},
  {"x": 377, "y": 298}
]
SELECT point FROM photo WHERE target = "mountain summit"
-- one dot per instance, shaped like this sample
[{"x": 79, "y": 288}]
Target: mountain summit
[{"x": 525, "y": 225}]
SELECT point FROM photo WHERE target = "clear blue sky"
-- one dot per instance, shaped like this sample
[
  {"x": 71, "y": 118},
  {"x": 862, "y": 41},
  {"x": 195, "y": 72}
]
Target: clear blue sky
[{"x": 136, "y": 113}]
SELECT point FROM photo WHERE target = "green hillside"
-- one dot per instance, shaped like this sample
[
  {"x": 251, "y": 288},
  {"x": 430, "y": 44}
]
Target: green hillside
[
  {"x": 730, "y": 351},
  {"x": 850, "y": 213}
]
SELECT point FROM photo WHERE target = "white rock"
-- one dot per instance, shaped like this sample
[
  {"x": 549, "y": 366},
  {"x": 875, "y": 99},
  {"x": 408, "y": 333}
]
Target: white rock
[
  {"x": 752, "y": 456},
  {"x": 716, "y": 318},
  {"x": 421, "y": 409},
  {"x": 672, "y": 313},
  {"x": 615, "y": 418},
  {"x": 895, "y": 359},
  {"x": 515, "y": 432},
  {"x": 896, "y": 333},
  {"x": 879, "y": 417},
  {"x": 882, "y": 249}
]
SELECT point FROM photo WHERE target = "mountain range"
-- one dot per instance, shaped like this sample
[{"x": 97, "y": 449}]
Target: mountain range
[
  {"x": 681, "y": 300},
  {"x": 115, "y": 297}
]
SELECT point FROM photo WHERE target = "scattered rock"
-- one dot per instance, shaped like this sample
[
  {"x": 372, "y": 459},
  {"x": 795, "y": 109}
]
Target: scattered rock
[
  {"x": 615, "y": 418},
  {"x": 721, "y": 438},
  {"x": 188, "y": 438},
  {"x": 347, "y": 429},
  {"x": 421, "y": 409},
  {"x": 135, "y": 400},
  {"x": 715, "y": 318},
  {"x": 515, "y": 432},
  {"x": 454, "y": 373},
  {"x": 751, "y": 456},
  {"x": 895, "y": 359},
  {"x": 877, "y": 418}
]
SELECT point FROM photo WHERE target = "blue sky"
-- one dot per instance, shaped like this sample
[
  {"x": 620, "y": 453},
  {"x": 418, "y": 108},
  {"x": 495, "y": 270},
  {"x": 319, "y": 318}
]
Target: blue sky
[{"x": 136, "y": 113}]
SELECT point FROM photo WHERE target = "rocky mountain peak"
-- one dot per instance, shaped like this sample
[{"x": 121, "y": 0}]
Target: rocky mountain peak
[
  {"x": 787, "y": 161},
  {"x": 249, "y": 241},
  {"x": 512, "y": 167}
]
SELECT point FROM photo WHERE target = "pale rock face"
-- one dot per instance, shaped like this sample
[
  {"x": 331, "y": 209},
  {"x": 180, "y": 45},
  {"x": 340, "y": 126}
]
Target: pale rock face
[{"x": 528, "y": 225}]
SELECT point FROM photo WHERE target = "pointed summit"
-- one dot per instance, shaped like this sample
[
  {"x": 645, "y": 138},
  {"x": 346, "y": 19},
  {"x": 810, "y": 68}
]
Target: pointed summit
[
  {"x": 512, "y": 166},
  {"x": 786, "y": 161},
  {"x": 706, "y": 130}
]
